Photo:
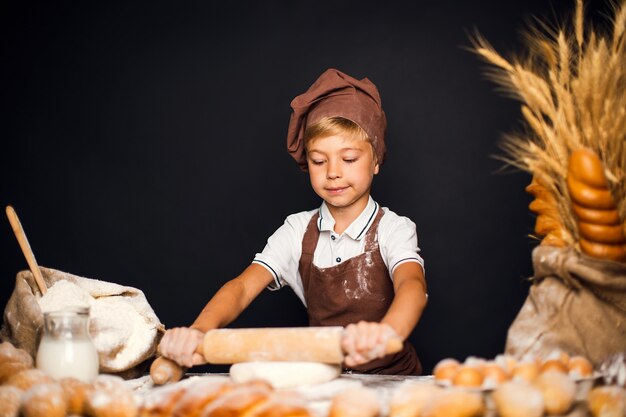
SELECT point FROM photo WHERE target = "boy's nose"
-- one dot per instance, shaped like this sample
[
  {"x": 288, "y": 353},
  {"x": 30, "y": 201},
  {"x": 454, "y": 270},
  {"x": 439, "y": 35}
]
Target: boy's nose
[{"x": 333, "y": 171}]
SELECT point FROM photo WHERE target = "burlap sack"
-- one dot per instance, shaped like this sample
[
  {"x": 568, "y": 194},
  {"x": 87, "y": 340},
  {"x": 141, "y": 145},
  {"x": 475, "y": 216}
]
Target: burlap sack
[
  {"x": 110, "y": 327},
  {"x": 576, "y": 304}
]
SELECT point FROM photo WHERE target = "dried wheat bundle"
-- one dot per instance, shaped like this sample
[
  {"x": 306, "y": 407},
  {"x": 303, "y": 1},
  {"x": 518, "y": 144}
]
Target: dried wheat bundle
[{"x": 572, "y": 86}]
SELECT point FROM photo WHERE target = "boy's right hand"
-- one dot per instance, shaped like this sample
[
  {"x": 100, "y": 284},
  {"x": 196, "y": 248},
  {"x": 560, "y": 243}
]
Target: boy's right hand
[{"x": 180, "y": 343}]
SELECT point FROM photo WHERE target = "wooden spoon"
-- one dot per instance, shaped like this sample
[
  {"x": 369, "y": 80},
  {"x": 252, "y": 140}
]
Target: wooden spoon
[{"x": 26, "y": 250}]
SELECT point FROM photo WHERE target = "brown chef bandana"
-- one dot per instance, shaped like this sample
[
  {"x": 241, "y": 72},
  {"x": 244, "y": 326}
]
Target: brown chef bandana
[{"x": 335, "y": 93}]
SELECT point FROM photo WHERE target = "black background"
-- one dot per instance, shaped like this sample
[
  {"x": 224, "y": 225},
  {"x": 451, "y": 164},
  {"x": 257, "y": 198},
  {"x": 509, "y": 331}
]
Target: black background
[{"x": 144, "y": 144}]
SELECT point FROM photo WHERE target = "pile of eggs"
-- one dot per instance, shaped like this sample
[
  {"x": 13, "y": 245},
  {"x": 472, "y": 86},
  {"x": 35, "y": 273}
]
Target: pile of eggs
[{"x": 483, "y": 373}]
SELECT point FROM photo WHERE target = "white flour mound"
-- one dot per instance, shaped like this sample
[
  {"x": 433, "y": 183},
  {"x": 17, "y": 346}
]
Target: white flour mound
[
  {"x": 119, "y": 332},
  {"x": 285, "y": 374}
]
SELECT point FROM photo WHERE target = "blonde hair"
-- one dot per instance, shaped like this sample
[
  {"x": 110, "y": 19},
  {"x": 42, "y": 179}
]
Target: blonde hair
[{"x": 334, "y": 126}]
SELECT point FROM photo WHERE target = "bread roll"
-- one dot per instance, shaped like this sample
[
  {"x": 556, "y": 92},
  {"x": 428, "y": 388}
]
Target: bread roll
[
  {"x": 607, "y": 401},
  {"x": 9, "y": 353},
  {"x": 9, "y": 368},
  {"x": 199, "y": 395},
  {"x": 76, "y": 392},
  {"x": 10, "y": 400},
  {"x": 29, "y": 377},
  {"x": 110, "y": 397},
  {"x": 455, "y": 403},
  {"x": 518, "y": 399},
  {"x": 355, "y": 402},
  {"x": 409, "y": 400},
  {"x": 238, "y": 402},
  {"x": 44, "y": 400},
  {"x": 281, "y": 405},
  {"x": 558, "y": 391}
]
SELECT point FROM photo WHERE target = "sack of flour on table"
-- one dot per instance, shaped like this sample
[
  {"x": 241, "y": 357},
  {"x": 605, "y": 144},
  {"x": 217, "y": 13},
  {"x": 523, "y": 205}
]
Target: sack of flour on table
[
  {"x": 576, "y": 304},
  {"x": 123, "y": 326}
]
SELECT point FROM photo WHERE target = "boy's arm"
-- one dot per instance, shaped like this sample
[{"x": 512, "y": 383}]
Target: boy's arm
[
  {"x": 365, "y": 341},
  {"x": 233, "y": 298},
  {"x": 409, "y": 300},
  {"x": 180, "y": 343}
]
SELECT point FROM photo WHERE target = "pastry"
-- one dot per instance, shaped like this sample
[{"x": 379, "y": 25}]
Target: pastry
[
  {"x": 201, "y": 393},
  {"x": 607, "y": 401},
  {"x": 409, "y": 400},
  {"x": 282, "y": 405},
  {"x": 558, "y": 391},
  {"x": 9, "y": 353},
  {"x": 238, "y": 402},
  {"x": 76, "y": 394},
  {"x": 455, "y": 403},
  {"x": 28, "y": 377},
  {"x": 518, "y": 399},
  {"x": 355, "y": 402},
  {"x": 44, "y": 400},
  {"x": 10, "y": 398},
  {"x": 9, "y": 368},
  {"x": 110, "y": 397}
]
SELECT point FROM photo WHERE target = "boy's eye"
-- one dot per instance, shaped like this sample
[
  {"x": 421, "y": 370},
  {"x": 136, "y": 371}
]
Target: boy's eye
[
  {"x": 349, "y": 160},
  {"x": 317, "y": 161}
]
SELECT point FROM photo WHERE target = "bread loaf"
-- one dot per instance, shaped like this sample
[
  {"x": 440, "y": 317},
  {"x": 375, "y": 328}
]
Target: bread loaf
[
  {"x": 355, "y": 402},
  {"x": 10, "y": 400},
  {"x": 44, "y": 400}
]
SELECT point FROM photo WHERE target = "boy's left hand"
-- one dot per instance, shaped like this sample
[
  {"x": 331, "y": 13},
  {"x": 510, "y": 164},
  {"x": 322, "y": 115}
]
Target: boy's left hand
[{"x": 365, "y": 341}]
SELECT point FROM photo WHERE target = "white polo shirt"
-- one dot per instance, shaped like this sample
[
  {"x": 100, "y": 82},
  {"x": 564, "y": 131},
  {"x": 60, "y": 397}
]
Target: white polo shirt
[{"x": 397, "y": 240}]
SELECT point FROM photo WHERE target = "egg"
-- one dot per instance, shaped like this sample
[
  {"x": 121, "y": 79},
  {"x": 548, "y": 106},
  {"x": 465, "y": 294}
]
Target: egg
[
  {"x": 558, "y": 390},
  {"x": 580, "y": 367},
  {"x": 446, "y": 369},
  {"x": 468, "y": 376},
  {"x": 494, "y": 374},
  {"x": 518, "y": 399},
  {"x": 553, "y": 365},
  {"x": 526, "y": 371}
]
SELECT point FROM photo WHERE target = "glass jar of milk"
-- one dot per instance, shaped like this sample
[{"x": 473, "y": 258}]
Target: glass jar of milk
[{"x": 66, "y": 349}]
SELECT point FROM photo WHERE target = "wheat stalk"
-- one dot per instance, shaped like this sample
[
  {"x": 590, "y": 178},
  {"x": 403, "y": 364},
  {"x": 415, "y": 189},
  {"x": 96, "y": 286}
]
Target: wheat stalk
[{"x": 572, "y": 86}]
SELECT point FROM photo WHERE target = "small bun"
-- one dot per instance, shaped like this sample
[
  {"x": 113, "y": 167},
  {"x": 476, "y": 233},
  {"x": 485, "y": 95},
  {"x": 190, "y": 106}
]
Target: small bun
[
  {"x": 9, "y": 353},
  {"x": 607, "y": 401},
  {"x": 355, "y": 402},
  {"x": 518, "y": 399},
  {"x": 110, "y": 397},
  {"x": 409, "y": 400},
  {"x": 239, "y": 401},
  {"x": 76, "y": 394},
  {"x": 44, "y": 400},
  {"x": 8, "y": 369},
  {"x": 29, "y": 377},
  {"x": 455, "y": 403},
  {"x": 10, "y": 399}
]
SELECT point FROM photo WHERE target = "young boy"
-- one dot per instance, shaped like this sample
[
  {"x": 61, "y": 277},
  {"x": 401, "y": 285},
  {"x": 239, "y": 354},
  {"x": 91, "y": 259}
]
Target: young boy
[{"x": 351, "y": 262}]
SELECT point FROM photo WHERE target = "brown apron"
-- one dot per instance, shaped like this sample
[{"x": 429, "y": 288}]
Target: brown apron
[{"x": 358, "y": 289}]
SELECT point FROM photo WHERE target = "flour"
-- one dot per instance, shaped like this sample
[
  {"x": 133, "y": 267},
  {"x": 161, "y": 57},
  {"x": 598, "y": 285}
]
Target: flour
[{"x": 119, "y": 332}]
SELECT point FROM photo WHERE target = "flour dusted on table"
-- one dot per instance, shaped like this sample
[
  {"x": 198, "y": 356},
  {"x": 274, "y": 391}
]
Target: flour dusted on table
[{"x": 121, "y": 333}]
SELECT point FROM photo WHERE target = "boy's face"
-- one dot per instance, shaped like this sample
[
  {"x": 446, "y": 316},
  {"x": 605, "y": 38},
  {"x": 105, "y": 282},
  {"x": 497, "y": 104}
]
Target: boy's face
[{"x": 341, "y": 170}]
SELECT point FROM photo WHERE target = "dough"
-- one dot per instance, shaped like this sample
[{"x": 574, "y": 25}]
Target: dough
[{"x": 285, "y": 374}]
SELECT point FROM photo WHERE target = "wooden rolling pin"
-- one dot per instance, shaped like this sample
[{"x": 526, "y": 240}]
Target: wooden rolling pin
[{"x": 228, "y": 346}]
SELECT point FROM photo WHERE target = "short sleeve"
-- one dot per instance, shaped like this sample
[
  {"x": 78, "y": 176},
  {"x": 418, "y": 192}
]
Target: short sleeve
[
  {"x": 397, "y": 238},
  {"x": 281, "y": 255}
]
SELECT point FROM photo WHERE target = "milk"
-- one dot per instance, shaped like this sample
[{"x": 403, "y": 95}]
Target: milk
[{"x": 63, "y": 357}]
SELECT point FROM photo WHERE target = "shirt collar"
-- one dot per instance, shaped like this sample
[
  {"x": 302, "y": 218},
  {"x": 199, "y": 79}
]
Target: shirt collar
[{"x": 357, "y": 228}]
